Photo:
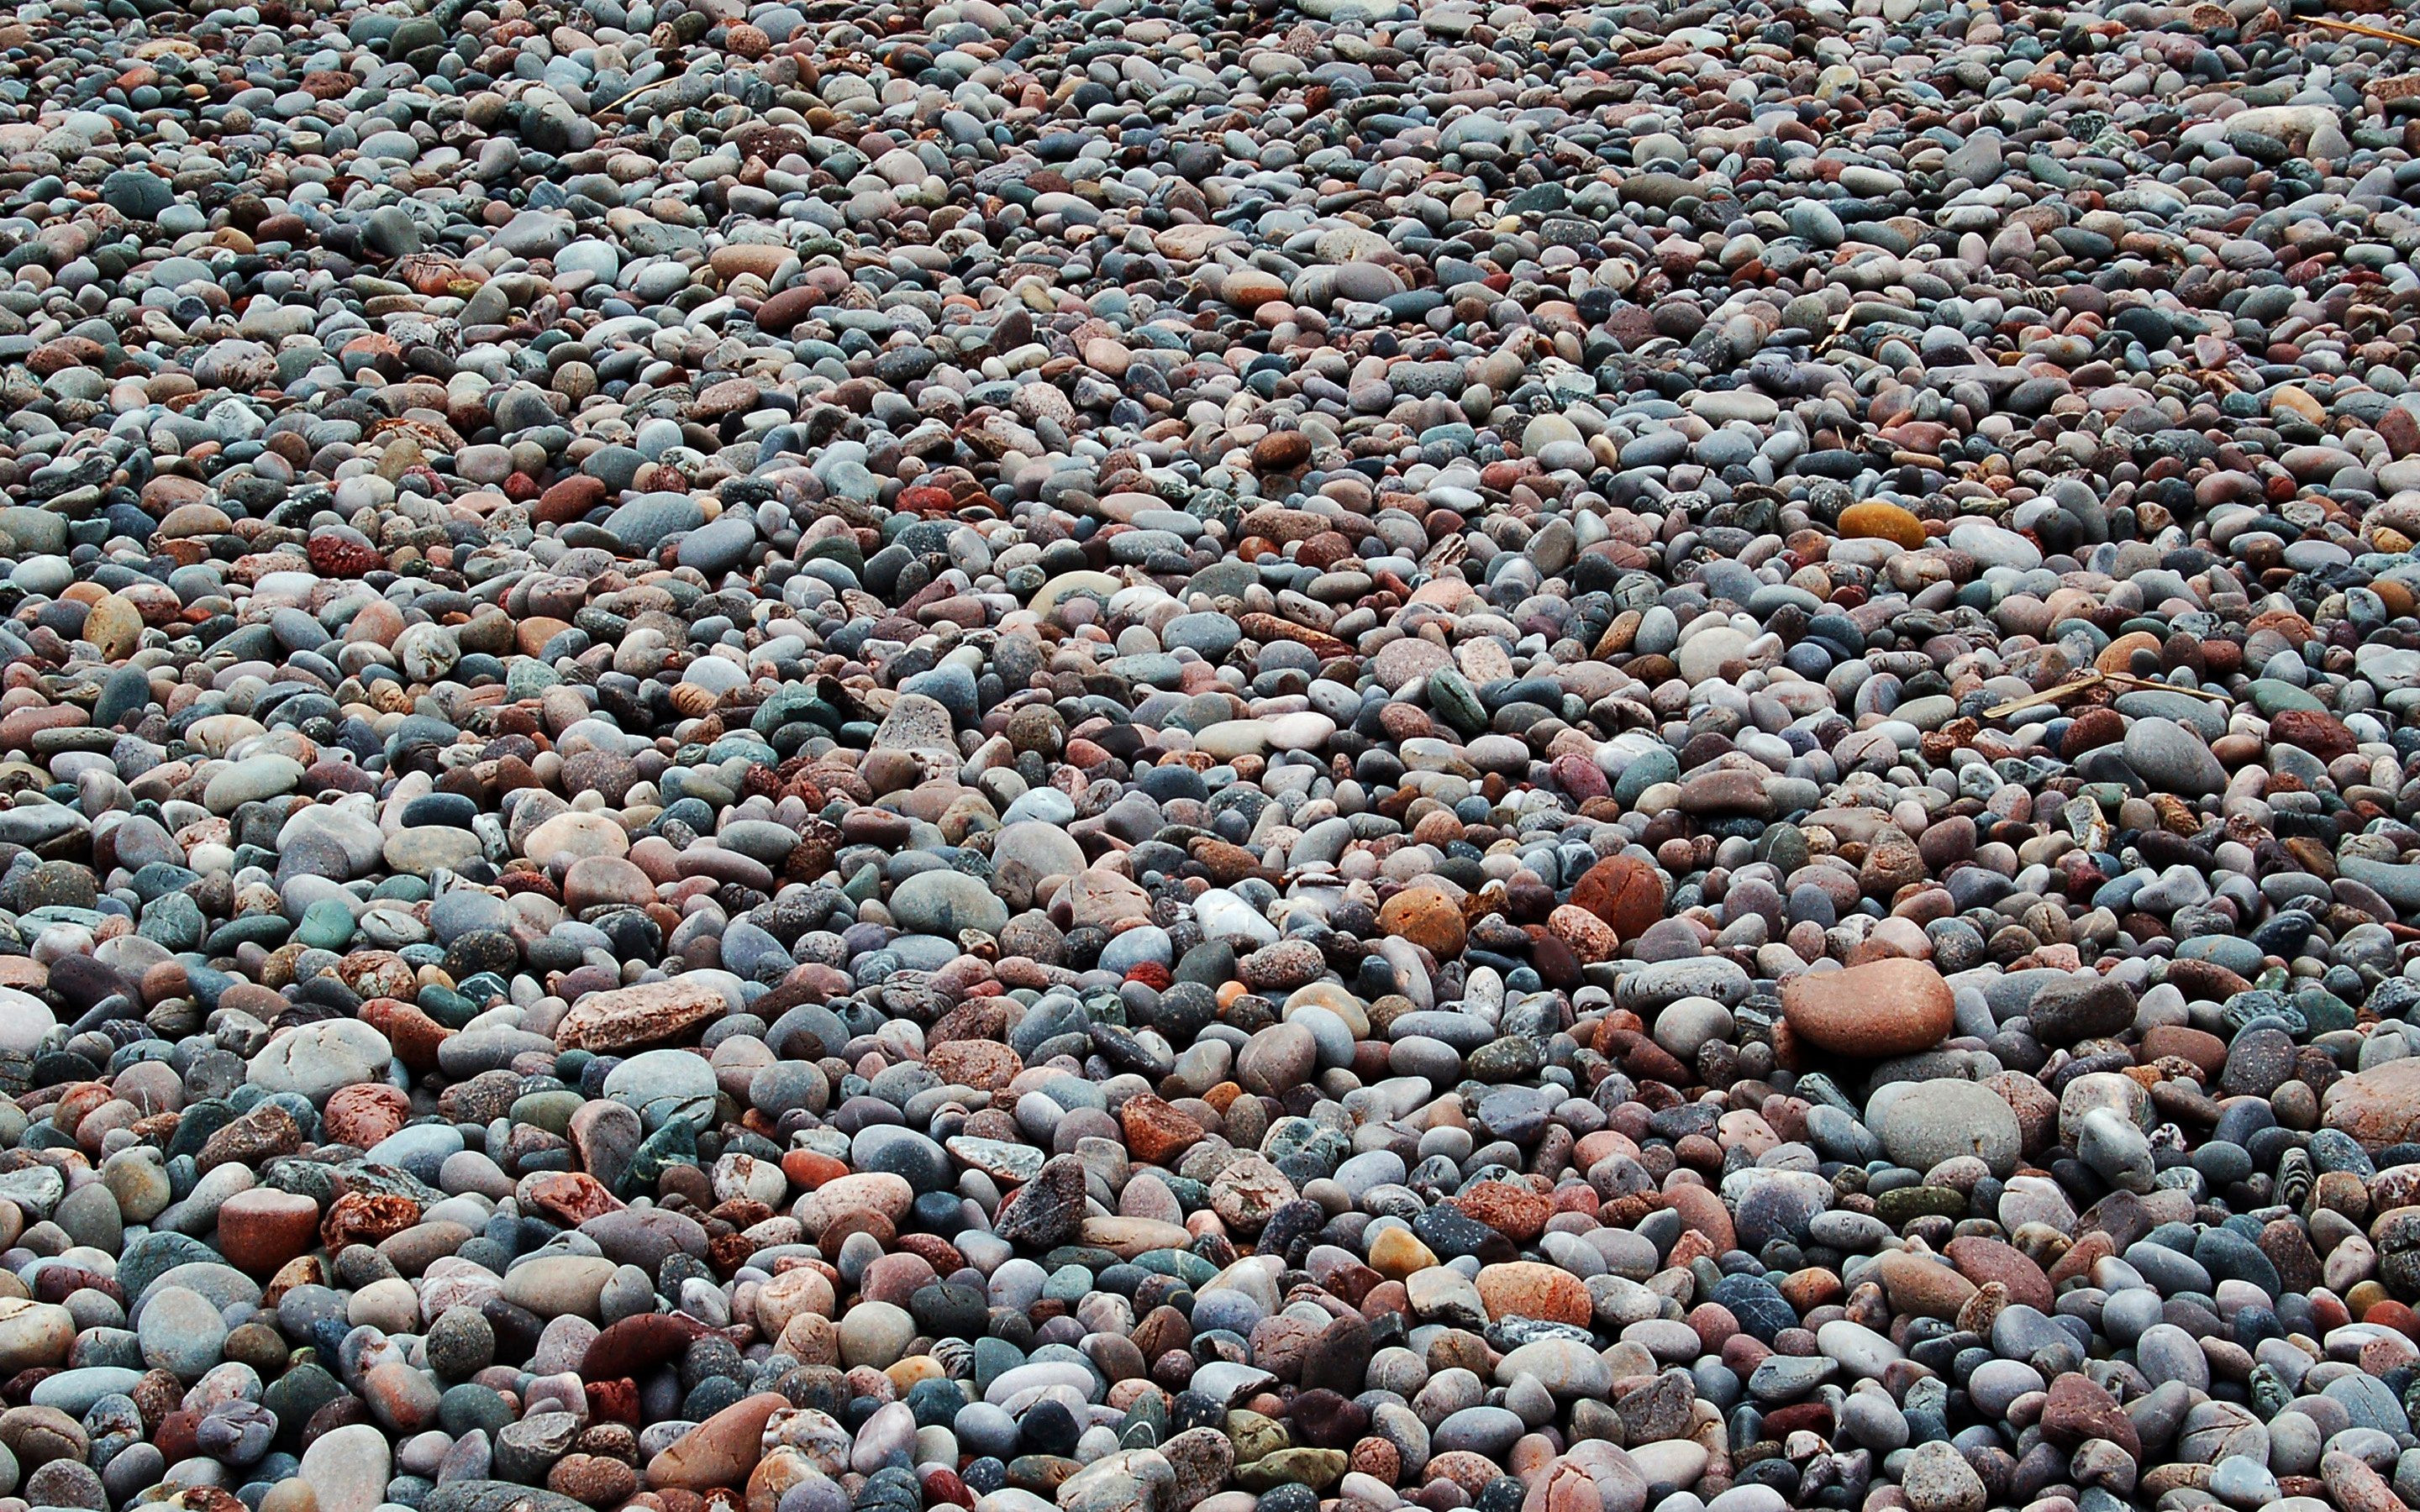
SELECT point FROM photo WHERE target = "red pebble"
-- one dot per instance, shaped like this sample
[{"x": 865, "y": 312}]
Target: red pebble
[
  {"x": 635, "y": 1345},
  {"x": 1152, "y": 975},
  {"x": 2390, "y": 1314},
  {"x": 1715, "y": 1323},
  {"x": 1578, "y": 1197},
  {"x": 810, "y": 1168},
  {"x": 615, "y": 1402},
  {"x": 175, "y": 1435},
  {"x": 537, "y": 882},
  {"x": 1815, "y": 1417},
  {"x": 1743, "y": 1353},
  {"x": 2328, "y": 1311}
]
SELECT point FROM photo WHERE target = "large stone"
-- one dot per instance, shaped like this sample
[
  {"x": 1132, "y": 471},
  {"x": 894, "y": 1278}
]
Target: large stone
[
  {"x": 1591, "y": 1476},
  {"x": 662, "y": 1085},
  {"x": 1026, "y": 852},
  {"x": 2079, "y": 1408},
  {"x": 496, "y": 1496},
  {"x": 720, "y": 1451},
  {"x": 876, "y": 1191},
  {"x": 1049, "y": 1209},
  {"x": 180, "y": 1332},
  {"x": 1102, "y": 899},
  {"x": 552, "y": 1286},
  {"x": 1524, "y": 1288},
  {"x": 263, "y": 1228},
  {"x": 346, "y": 1467},
  {"x": 1924, "y": 1123},
  {"x": 25, "y": 1021},
  {"x": 644, "y": 1014},
  {"x": 1919, "y": 1285},
  {"x": 2172, "y": 759},
  {"x": 318, "y": 1058},
  {"x": 1427, "y": 918},
  {"x": 2379, "y": 1106},
  {"x": 1883, "y": 1008},
  {"x": 1879, "y": 520},
  {"x": 1626, "y": 892},
  {"x": 920, "y": 725},
  {"x": 33, "y": 1334},
  {"x": 1938, "y": 1479},
  {"x": 943, "y": 903},
  {"x": 2080, "y": 1008},
  {"x": 1278, "y": 1058}
]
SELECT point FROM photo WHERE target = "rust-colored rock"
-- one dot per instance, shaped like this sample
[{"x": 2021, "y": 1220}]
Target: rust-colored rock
[
  {"x": 1626, "y": 892},
  {"x": 262, "y": 1228},
  {"x": 2323, "y": 735},
  {"x": 1281, "y": 451},
  {"x": 337, "y": 556},
  {"x": 1428, "y": 918},
  {"x": 1703, "y": 1213},
  {"x": 2119, "y": 654},
  {"x": 1515, "y": 1212},
  {"x": 2092, "y": 729},
  {"x": 569, "y": 500},
  {"x": 1227, "y": 862},
  {"x": 2205, "y": 979},
  {"x": 1985, "y": 1261},
  {"x": 363, "y": 1218},
  {"x": 1922, "y": 1285},
  {"x": 615, "y": 1402},
  {"x": 1156, "y": 1132},
  {"x": 984, "y": 1065},
  {"x": 415, "y": 1037},
  {"x": 1882, "y": 1007},
  {"x": 597, "y": 1480},
  {"x": 2199, "y": 1046},
  {"x": 364, "y": 1112},
  {"x": 1525, "y": 1288},
  {"x": 2078, "y": 1409},
  {"x": 777, "y": 315},
  {"x": 572, "y": 1197}
]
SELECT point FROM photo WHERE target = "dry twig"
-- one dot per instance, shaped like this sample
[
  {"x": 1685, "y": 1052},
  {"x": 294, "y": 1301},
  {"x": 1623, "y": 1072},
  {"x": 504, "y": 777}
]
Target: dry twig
[
  {"x": 2376, "y": 32},
  {"x": 2095, "y": 678}
]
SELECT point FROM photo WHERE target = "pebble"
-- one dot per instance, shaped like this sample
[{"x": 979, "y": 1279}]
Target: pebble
[{"x": 1173, "y": 758}]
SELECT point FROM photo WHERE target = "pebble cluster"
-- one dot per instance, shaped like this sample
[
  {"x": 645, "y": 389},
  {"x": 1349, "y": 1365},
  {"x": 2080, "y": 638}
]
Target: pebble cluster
[{"x": 1208, "y": 755}]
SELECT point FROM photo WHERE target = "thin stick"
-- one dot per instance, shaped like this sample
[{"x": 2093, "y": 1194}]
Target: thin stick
[
  {"x": 2094, "y": 679},
  {"x": 2048, "y": 695},
  {"x": 630, "y": 94},
  {"x": 2376, "y": 32},
  {"x": 2155, "y": 686}
]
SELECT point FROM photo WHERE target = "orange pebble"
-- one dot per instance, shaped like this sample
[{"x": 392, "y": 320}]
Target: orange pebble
[{"x": 810, "y": 1168}]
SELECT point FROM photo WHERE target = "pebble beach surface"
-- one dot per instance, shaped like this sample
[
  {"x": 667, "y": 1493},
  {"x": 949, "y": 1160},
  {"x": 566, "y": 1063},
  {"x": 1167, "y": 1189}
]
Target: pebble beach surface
[{"x": 1208, "y": 756}]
